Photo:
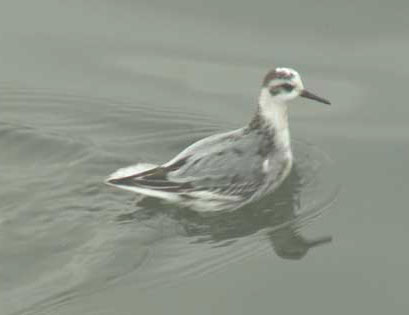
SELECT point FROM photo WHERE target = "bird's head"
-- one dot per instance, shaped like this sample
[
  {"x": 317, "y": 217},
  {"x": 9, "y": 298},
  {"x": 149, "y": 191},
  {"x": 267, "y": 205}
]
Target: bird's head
[{"x": 282, "y": 85}]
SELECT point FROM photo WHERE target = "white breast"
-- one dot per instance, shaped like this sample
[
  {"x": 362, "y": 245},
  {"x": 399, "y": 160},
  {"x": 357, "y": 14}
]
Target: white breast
[{"x": 276, "y": 115}]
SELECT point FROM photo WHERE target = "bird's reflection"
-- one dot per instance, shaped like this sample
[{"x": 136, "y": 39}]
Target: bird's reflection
[{"x": 276, "y": 214}]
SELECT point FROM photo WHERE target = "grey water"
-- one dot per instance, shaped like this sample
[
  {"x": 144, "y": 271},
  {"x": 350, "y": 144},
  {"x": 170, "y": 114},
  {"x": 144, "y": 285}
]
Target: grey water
[{"x": 87, "y": 87}]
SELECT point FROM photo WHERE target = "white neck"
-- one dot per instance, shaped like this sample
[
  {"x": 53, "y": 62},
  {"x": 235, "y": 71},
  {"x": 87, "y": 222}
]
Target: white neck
[{"x": 275, "y": 114}]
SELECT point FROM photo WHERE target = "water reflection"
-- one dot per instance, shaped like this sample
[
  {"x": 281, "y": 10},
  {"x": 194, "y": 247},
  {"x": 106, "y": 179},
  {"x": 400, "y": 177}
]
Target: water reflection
[{"x": 277, "y": 216}]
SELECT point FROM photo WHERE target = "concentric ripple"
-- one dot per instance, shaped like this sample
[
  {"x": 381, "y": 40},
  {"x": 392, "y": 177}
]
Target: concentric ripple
[{"x": 65, "y": 235}]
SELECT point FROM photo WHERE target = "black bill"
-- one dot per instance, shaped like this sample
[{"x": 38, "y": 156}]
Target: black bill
[{"x": 314, "y": 97}]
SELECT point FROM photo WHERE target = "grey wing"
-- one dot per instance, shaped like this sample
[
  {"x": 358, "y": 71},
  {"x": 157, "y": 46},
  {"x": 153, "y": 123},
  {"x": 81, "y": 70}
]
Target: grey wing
[
  {"x": 227, "y": 164},
  {"x": 230, "y": 166}
]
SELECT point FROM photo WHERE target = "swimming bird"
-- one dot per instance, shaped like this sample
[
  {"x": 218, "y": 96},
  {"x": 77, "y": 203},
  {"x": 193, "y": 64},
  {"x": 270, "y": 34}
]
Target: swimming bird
[{"x": 228, "y": 170}]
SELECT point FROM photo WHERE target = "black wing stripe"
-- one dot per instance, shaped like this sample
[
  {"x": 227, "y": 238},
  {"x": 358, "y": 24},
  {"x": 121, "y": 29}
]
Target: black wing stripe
[{"x": 155, "y": 174}]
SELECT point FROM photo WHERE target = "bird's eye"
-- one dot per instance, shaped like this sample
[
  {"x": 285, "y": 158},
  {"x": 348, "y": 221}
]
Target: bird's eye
[
  {"x": 288, "y": 87},
  {"x": 275, "y": 90}
]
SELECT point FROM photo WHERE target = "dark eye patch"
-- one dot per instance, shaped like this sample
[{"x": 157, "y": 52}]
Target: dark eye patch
[
  {"x": 275, "y": 90},
  {"x": 288, "y": 87},
  {"x": 279, "y": 88}
]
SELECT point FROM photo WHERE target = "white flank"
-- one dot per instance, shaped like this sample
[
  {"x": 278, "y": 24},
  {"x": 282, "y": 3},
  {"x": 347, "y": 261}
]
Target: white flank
[
  {"x": 150, "y": 192},
  {"x": 266, "y": 167},
  {"x": 130, "y": 170}
]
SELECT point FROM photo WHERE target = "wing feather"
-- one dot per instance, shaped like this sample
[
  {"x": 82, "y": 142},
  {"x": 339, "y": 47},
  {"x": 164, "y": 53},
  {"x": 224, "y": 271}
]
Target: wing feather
[{"x": 227, "y": 164}]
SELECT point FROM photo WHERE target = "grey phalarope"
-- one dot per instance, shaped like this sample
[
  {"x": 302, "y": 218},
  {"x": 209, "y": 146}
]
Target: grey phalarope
[{"x": 227, "y": 170}]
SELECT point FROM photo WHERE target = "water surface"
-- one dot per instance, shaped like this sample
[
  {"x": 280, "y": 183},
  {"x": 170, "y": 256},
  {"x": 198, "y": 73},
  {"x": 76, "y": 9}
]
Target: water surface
[{"x": 88, "y": 87}]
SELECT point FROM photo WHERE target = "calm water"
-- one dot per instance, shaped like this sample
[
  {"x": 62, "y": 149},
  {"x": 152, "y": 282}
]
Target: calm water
[{"x": 87, "y": 87}]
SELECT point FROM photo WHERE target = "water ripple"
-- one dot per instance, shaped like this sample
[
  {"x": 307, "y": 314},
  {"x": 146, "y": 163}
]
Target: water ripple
[{"x": 81, "y": 236}]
